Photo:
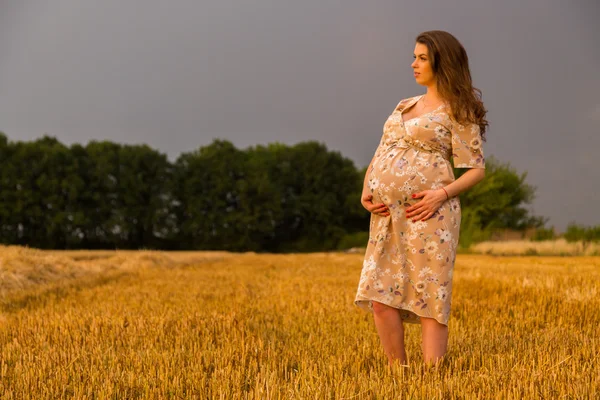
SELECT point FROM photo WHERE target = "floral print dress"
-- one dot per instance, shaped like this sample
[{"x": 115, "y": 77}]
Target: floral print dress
[{"x": 409, "y": 265}]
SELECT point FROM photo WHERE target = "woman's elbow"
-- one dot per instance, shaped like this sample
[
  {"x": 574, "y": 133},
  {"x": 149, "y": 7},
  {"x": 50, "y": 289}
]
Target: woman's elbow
[{"x": 481, "y": 174}]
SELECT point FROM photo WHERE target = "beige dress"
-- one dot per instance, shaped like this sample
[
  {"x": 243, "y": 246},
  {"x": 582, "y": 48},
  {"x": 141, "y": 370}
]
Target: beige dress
[{"x": 408, "y": 265}]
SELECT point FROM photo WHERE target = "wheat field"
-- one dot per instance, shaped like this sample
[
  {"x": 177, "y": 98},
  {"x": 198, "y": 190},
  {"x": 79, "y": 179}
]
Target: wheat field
[
  {"x": 557, "y": 247},
  {"x": 217, "y": 325}
]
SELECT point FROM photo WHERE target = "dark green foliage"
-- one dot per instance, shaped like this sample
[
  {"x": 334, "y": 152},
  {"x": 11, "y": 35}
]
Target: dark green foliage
[
  {"x": 102, "y": 196},
  {"x": 37, "y": 193},
  {"x": 221, "y": 198},
  {"x": 500, "y": 198},
  {"x": 357, "y": 239},
  {"x": 497, "y": 202},
  {"x": 576, "y": 233},
  {"x": 543, "y": 234},
  {"x": 275, "y": 198}
]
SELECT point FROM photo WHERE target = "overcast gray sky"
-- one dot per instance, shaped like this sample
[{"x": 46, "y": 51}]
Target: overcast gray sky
[{"x": 176, "y": 74}]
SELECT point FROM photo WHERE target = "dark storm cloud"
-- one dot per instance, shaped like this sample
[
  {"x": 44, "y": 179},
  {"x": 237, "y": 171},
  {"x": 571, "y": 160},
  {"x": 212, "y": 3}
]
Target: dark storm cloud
[{"x": 177, "y": 74}]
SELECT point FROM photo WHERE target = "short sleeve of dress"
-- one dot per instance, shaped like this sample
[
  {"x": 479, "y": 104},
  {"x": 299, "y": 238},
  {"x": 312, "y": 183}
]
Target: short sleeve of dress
[
  {"x": 467, "y": 148},
  {"x": 402, "y": 103}
]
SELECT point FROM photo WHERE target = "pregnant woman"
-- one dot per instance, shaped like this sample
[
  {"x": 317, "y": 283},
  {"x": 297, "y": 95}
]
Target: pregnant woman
[{"x": 412, "y": 194}]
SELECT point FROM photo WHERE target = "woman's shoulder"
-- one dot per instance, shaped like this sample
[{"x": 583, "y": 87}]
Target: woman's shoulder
[
  {"x": 405, "y": 102},
  {"x": 409, "y": 99}
]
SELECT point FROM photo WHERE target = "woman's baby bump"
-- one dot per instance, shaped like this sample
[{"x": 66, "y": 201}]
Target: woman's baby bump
[{"x": 394, "y": 180}]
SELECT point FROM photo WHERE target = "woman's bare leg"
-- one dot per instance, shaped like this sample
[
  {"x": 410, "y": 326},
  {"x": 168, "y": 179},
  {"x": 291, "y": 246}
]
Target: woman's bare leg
[
  {"x": 391, "y": 332},
  {"x": 435, "y": 340}
]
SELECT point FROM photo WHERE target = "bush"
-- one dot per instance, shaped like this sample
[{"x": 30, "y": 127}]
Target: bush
[
  {"x": 543, "y": 234},
  {"x": 470, "y": 230},
  {"x": 356, "y": 239},
  {"x": 531, "y": 252},
  {"x": 576, "y": 232}
]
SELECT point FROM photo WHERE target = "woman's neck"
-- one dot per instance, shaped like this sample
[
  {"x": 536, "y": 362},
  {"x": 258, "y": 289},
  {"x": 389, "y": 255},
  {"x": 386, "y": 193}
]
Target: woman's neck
[{"x": 432, "y": 96}]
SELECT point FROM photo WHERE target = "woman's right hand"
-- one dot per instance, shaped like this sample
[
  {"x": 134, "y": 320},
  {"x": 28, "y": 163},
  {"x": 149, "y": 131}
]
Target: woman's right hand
[{"x": 378, "y": 209}]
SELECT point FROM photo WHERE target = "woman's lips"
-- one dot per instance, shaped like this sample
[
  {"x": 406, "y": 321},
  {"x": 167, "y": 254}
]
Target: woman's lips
[{"x": 416, "y": 74}]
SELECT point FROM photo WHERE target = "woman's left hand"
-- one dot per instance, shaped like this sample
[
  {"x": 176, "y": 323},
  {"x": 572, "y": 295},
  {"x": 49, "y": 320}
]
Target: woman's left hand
[{"x": 424, "y": 209}]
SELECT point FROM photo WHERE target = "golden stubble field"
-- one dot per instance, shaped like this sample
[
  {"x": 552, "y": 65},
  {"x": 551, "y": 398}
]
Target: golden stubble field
[{"x": 216, "y": 325}]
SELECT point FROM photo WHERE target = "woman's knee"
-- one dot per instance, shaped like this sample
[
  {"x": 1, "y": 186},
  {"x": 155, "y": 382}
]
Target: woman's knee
[
  {"x": 432, "y": 323},
  {"x": 382, "y": 309}
]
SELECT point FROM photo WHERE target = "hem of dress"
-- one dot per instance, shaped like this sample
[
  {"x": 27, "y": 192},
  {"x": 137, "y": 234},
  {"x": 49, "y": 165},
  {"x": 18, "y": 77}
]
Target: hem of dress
[{"x": 365, "y": 304}]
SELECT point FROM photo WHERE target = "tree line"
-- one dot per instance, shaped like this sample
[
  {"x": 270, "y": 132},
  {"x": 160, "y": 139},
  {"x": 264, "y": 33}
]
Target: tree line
[{"x": 265, "y": 198}]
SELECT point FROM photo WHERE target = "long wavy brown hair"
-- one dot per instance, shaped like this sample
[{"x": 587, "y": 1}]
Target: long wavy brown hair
[{"x": 450, "y": 66}]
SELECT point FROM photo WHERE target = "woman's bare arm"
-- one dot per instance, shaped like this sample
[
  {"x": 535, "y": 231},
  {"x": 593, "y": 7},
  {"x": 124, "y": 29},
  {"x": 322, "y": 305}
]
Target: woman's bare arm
[
  {"x": 466, "y": 181},
  {"x": 433, "y": 199}
]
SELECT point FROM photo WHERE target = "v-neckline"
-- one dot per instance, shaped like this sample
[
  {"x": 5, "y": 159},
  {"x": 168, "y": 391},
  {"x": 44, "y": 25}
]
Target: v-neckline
[{"x": 418, "y": 116}]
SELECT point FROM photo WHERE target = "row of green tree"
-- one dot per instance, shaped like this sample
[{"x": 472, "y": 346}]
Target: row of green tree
[
  {"x": 275, "y": 198},
  {"x": 576, "y": 233}
]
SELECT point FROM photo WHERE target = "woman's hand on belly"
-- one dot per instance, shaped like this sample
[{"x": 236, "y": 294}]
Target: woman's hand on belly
[
  {"x": 378, "y": 209},
  {"x": 424, "y": 209}
]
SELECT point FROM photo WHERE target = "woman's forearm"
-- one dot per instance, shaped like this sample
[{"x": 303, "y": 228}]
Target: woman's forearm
[{"x": 466, "y": 181}]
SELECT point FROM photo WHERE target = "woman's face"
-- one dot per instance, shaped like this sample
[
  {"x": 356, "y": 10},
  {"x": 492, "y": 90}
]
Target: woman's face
[{"x": 421, "y": 66}]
